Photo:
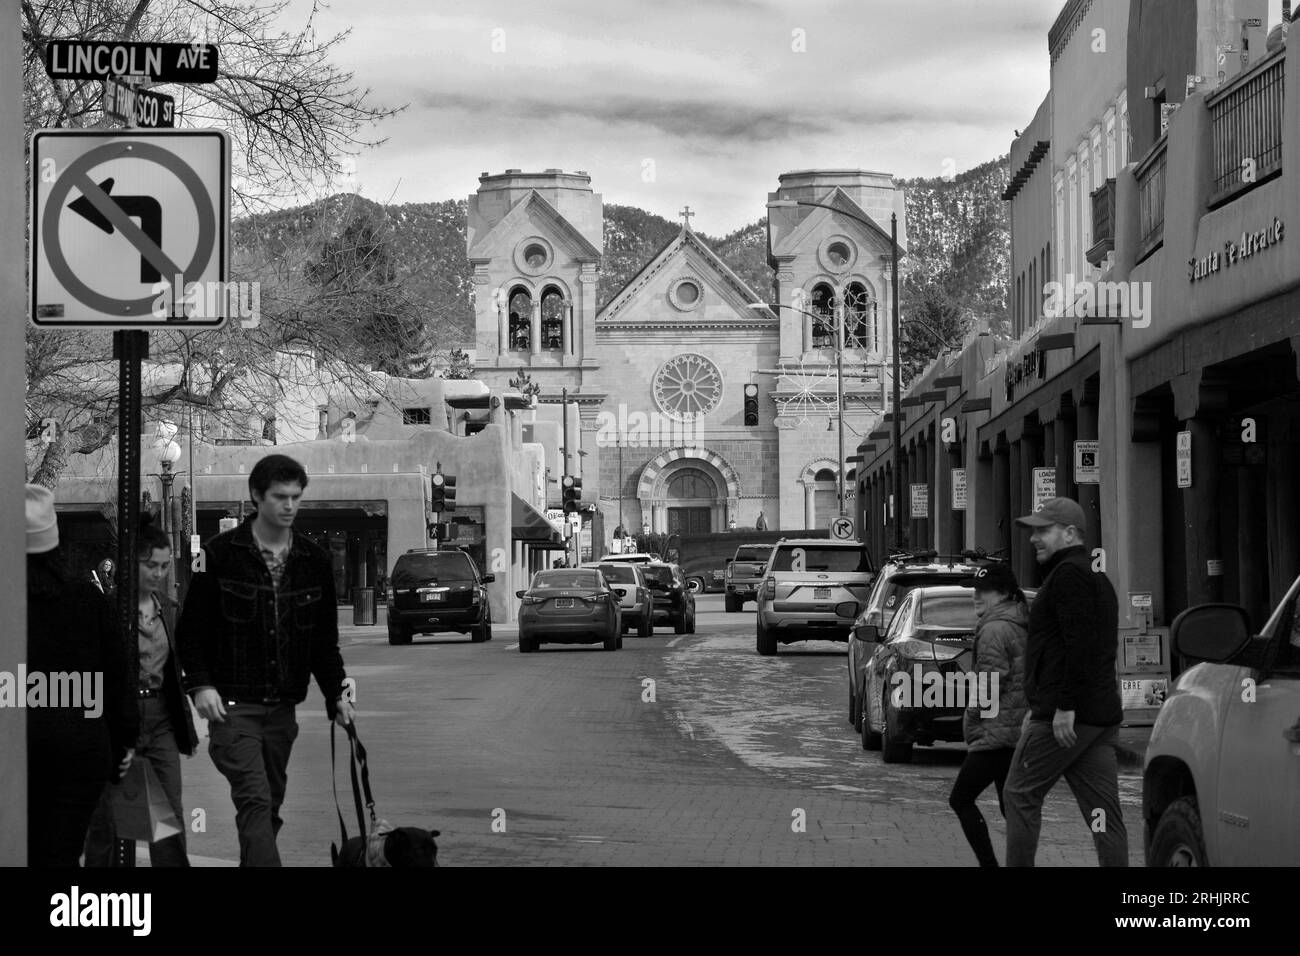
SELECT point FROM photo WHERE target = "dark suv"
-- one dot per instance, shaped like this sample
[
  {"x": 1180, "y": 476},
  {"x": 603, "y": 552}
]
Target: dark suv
[
  {"x": 431, "y": 592},
  {"x": 672, "y": 595}
]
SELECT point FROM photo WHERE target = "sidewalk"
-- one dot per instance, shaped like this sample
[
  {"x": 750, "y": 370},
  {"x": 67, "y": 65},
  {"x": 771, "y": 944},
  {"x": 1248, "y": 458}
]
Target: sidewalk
[{"x": 1133, "y": 745}]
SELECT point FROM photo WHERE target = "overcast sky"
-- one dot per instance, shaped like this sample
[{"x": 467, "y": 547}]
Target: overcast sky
[{"x": 706, "y": 102}]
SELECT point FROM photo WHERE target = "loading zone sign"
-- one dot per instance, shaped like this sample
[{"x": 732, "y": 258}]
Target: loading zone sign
[{"x": 130, "y": 228}]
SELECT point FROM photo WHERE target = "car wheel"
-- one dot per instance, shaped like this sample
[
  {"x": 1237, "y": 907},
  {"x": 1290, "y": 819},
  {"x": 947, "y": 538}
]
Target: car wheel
[
  {"x": 399, "y": 635},
  {"x": 870, "y": 736},
  {"x": 731, "y": 604},
  {"x": 695, "y": 585},
  {"x": 646, "y": 628},
  {"x": 854, "y": 720},
  {"x": 679, "y": 623},
  {"x": 526, "y": 644},
  {"x": 612, "y": 641},
  {"x": 482, "y": 632},
  {"x": 690, "y": 623},
  {"x": 892, "y": 750},
  {"x": 766, "y": 640},
  {"x": 1178, "y": 839}
]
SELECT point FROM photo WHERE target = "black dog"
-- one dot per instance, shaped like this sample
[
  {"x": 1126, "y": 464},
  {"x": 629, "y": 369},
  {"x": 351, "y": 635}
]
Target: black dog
[{"x": 402, "y": 847}]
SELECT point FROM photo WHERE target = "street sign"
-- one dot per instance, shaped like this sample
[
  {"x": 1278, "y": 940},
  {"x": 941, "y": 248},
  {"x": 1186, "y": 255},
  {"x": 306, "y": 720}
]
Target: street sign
[
  {"x": 842, "y": 528},
  {"x": 1044, "y": 486},
  {"x": 160, "y": 62},
  {"x": 118, "y": 217},
  {"x": 920, "y": 501},
  {"x": 959, "y": 489},
  {"x": 136, "y": 107},
  {"x": 1087, "y": 470},
  {"x": 556, "y": 517},
  {"x": 1183, "y": 459}
]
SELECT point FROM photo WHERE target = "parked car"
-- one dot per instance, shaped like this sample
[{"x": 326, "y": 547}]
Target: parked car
[
  {"x": 627, "y": 579},
  {"x": 1221, "y": 780},
  {"x": 703, "y": 555},
  {"x": 632, "y": 557},
  {"x": 813, "y": 589},
  {"x": 569, "y": 606},
  {"x": 673, "y": 599},
  {"x": 897, "y": 576},
  {"x": 432, "y": 592},
  {"x": 933, "y": 628},
  {"x": 744, "y": 574}
]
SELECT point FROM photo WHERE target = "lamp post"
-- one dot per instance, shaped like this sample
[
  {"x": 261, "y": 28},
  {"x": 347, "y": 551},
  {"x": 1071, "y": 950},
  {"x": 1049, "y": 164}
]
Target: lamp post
[{"x": 169, "y": 452}]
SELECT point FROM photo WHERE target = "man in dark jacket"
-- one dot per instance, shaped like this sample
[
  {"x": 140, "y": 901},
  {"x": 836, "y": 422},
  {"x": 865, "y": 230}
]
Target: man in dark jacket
[
  {"x": 260, "y": 621},
  {"x": 1072, "y": 690}
]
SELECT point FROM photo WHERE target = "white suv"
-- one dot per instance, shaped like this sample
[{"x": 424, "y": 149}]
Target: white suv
[
  {"x": 1221, "y": 784},
  {"x": 812, "y": 589}
]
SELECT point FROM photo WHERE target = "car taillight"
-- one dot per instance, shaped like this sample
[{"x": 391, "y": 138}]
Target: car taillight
[
  {"x": 914, "y": 650},
  {"x": 531, "y": 599},
  {"x": 769, "y": 588}
]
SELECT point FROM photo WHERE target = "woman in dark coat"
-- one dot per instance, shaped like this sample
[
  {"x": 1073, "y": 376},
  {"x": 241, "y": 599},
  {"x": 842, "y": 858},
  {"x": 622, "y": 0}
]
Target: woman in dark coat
[{"x": 73, "y": 748}]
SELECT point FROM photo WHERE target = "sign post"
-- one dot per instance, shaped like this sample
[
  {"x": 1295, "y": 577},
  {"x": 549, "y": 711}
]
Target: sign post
[{"x": 1183, "y": 459}]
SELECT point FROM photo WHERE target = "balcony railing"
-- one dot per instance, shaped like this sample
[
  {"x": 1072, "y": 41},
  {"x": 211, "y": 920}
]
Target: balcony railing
[
  {"x": 1151, "y": 199},
  {"x": 1246, "y": 128},
  {"x": 1103, "y": 222}
]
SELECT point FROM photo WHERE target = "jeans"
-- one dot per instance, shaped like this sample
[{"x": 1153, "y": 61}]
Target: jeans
[
  {"x": 1091, "y": 769},
  {"x": 156, "y": 744},
  {"x": 980, "y": 768},
  {"x": 251, "y": 749}
]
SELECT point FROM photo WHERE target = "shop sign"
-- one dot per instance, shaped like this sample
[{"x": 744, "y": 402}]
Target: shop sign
[
  {"x": 1235, "y": 250},
  {"x": 1033, "y": 364}
]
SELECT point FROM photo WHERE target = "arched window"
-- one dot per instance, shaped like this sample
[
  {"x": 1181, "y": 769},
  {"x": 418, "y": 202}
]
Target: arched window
[
  {"x": 552, "y": 319},
  {"x": 823, "y": 311},
  {"x": 825, "y": 490},
  {"x": 521, "y": 318},
  {"x": 690, "y": 483},
  {"x": 860, "y": 318},
  {"x": 824, "y": 474}
]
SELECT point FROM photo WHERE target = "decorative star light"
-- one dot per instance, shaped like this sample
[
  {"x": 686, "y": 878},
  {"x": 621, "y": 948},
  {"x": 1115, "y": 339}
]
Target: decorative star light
[{"x": 807, "y": 392}]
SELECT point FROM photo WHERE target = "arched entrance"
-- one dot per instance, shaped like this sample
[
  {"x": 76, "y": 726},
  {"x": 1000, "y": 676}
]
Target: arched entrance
[
  {"x": 820, "y": 481},
  {"x": 688, "y": 492}
]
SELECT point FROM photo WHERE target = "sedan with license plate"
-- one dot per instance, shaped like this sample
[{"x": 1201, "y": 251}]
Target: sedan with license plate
[{"x": 569, "y": 606}]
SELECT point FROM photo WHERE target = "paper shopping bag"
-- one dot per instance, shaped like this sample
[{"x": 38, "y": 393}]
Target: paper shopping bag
[{"x": 140, "y": 808}]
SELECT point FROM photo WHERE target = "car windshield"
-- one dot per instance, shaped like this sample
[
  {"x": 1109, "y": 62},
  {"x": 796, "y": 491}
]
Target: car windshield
[
  {"x": 814, "y": 557},
  {"x": 947, "y": 610},
  {"x": 565, "y": 578},
  {"x": 755, "y": 553},
  {"x": 439, "y": 566},
  {"x": 659, "y": 577},
  {"x": 622, "y": 573}
]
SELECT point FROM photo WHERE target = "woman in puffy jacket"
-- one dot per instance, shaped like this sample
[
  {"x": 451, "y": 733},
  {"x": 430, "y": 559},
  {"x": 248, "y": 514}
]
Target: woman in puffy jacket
[{"x": 992, "y": 732}]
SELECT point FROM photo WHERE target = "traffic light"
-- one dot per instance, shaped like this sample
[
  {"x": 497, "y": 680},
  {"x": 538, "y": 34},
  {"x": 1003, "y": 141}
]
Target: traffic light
[
  {"x": 751, "y": 404},
  {"x": 448, "y": 494},
  {"x": 571, "y": 493},
  {"x": 438, "y": 503},
  {"x": 438, "y": 531}
]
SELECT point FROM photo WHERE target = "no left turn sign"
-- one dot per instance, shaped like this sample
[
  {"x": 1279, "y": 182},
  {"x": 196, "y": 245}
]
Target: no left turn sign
[{"x": 118, "y": 216}]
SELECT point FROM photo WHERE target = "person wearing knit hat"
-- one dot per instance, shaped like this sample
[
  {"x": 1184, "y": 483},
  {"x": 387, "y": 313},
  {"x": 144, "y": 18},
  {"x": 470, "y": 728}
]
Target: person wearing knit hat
[
  {"x": 72, "y": 750},
  {"x": 42, "y": 527}
]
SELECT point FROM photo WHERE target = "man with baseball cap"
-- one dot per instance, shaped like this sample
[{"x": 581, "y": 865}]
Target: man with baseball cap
[{"x": 1072, "y": 689}]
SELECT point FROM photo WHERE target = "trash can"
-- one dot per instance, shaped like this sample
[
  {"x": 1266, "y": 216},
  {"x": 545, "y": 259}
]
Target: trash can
[{"x": 363, "y": 606}]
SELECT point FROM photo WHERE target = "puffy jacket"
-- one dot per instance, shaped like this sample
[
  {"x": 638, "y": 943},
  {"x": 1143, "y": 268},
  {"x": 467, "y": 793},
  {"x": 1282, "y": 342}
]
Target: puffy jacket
[
  {"x": 237, "y": 634},
  {"x": 1000, "y": 640},
  {"x": 1073, "y": 633}
]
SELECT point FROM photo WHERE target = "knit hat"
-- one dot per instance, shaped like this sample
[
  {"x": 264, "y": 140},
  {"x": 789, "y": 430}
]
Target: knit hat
[{"x": 42, "y": 526}]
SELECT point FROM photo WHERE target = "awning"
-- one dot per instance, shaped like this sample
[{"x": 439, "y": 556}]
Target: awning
[{"x": 529, "y": 525}]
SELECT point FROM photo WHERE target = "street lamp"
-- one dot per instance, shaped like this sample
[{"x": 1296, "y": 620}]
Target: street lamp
[
  {"x": 839, "y": 377},
  {"x": 169, "y": 452}
]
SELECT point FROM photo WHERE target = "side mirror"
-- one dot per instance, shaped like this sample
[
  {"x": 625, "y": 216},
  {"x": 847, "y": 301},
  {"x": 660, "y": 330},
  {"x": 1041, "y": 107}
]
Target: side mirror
[
  {"x": 1210, "y": 632},
  {"x": 867, "y": 633},
  {"x": 849, "y": 609},
  {"x": 489, "y": 578},
  {"x": 520, "y": 594}
]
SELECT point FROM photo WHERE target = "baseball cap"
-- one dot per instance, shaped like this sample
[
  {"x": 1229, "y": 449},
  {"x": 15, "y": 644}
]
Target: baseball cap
[
  {"x": 993, "y": 577},
  {"x": 1064, "y": 511}
]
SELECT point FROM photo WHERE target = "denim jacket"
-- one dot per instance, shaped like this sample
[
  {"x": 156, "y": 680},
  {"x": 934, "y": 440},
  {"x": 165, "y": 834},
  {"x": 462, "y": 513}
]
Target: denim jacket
[{"x": 253, "y": 645}]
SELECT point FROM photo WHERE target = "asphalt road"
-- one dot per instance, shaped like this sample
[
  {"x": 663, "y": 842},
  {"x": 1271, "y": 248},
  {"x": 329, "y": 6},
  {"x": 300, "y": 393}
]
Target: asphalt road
[{"x": 561, "y": 758}]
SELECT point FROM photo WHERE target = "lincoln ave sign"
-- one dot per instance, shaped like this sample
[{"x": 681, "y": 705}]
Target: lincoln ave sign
[
  {"x": 1235, "y": 250},
  {"x": 160, "y": 62}
]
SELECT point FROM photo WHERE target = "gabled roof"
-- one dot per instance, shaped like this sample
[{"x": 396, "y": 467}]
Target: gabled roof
[
  {"x": 838, "y": 198},
  {"x": 533, "y": 204},
  {"x": 686, "y": 238}
]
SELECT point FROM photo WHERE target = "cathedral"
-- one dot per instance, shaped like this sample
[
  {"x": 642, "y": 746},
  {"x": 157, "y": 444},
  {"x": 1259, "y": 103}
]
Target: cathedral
[{"x": 698, "y": 403}]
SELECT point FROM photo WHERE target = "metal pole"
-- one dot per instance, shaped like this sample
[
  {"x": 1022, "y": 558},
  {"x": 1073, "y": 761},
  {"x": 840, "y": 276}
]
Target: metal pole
[
  {"x": 898, "y": 365},
  {"x": 839, "y": 394},
  {"x": 620, "y": 486}
]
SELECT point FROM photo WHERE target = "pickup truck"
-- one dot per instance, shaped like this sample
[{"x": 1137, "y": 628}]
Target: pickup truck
[
  {"x": 1221, "y": 781},
  {"x": 744, "y": 574}
]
